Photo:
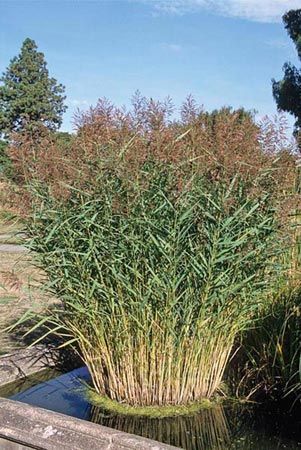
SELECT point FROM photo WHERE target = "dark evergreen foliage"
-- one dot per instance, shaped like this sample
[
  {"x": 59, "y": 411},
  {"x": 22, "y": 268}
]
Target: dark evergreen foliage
[
  {"x": 287, "y": 92},
  {"x": 28, "y": 96}
]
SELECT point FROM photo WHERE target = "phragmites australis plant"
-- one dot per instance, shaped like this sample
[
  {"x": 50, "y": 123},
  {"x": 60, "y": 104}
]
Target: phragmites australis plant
[{"x": 156, "y": 235}]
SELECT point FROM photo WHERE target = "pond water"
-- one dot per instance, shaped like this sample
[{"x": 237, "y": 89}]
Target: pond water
[{"x": 219, "y": 428}]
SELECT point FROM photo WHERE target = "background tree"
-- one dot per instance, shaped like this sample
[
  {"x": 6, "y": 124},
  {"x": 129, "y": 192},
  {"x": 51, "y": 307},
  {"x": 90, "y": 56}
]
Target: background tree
[
  {"x": 28, "y": 96},
  {"x": 4, "y": 159},
  {"x": 287, "y": 92}
]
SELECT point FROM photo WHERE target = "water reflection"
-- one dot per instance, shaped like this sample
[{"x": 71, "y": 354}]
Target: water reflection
[
  {"x": 219, "y": 428},
  {"x": 204, "y": 431}
]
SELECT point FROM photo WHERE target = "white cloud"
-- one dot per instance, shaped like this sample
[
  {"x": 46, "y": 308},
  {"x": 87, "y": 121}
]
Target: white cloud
[
  {"x": 176, "y": 48},
  {"x": 256, "y": 10}
]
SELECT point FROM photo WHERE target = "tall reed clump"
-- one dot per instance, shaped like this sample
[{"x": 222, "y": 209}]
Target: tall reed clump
[
  {"x": 156, "y": 234},
  {"x": 217, "y": 145},
  {"x": 156, "y": 283}
]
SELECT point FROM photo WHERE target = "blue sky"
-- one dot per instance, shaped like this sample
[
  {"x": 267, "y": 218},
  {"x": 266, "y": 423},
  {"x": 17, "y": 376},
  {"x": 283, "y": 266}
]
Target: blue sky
[{"x": 224, "y": 52}]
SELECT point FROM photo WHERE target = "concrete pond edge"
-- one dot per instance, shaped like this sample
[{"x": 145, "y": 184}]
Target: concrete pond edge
[{"x": 25, "y": 362}]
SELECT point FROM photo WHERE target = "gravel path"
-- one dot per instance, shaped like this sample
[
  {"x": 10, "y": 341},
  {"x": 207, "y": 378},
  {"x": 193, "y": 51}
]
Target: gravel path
[
  {"x": 12, "y": 243},
  {"x": 12, "y": 248}
]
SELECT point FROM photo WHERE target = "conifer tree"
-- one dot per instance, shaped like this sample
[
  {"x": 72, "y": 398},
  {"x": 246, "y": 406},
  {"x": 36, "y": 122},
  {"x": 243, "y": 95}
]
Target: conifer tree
[
  {"x": 287, "y": 92},
  {"x": 28, "y": 96}
]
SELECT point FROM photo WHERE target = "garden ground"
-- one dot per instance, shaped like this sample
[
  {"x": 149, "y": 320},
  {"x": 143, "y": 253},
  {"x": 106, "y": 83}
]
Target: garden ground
[{"x": 20, "y": 281}]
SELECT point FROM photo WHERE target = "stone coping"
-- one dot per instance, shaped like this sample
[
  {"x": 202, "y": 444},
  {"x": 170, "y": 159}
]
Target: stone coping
[{"x": 46, "y": 430}]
